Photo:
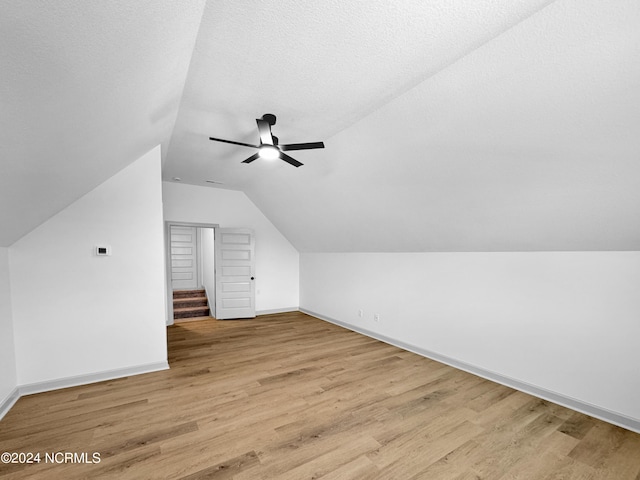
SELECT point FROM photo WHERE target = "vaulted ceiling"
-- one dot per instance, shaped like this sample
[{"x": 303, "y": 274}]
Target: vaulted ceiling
[
  {"x": 465, "y": 125},
  {"x": 86, "y": 88}
]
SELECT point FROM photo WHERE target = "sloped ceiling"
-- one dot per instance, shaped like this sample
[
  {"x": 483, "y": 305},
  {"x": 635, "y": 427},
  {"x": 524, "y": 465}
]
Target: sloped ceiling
[
  {"x": 85, "y": 89},
  {"x": 465, "y": 125},
  {"x": 449, "y": 125}
]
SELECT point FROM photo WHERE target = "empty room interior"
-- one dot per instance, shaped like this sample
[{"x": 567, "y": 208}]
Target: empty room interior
[{"x": 324, "y": 240}]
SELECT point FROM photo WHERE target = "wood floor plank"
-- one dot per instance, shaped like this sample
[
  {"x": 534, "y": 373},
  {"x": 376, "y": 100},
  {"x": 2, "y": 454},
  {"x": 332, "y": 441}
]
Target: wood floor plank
[
  {"x": 360, "y": 468},
  {"x": 410, "y": 457},
  {"x": 312, "y": 460},
  {"x": 602, "y": 443},
  {"x": 225, "y": 470},
  {"x": 577, "y": 426},
  {"x": 287, "y": 396}
]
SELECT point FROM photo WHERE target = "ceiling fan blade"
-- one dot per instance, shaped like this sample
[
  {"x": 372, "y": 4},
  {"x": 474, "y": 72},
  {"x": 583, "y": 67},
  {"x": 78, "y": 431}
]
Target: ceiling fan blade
[
  {"x": 253, "y": 157},
  {"x": 302, "y": 146},
  {"x": 265, "y": 132},
  {"x": 289, "y": 160},
  {"x": 234, "y": 143}
]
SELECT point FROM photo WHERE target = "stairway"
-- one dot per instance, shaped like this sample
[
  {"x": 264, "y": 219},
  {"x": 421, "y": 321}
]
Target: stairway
[{"x": 190, "y": 305}]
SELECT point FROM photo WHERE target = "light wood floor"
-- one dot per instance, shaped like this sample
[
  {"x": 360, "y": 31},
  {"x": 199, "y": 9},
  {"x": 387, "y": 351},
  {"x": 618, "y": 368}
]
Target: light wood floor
[{"x": 291, "y": 397}]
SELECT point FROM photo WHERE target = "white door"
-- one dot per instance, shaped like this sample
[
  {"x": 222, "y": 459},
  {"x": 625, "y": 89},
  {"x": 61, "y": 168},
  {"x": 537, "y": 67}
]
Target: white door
[
  {"x": 235, "y": 266},
  {"x": 184, "y": 256}
]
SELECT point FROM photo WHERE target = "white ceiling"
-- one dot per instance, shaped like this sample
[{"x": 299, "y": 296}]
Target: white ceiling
[
  {"x": 85, "y": 89},
  {"x": 449, "y": 125}
]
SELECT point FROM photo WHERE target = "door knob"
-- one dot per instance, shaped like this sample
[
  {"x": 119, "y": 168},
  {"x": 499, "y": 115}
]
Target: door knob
[{"x": 251, "y": 278}]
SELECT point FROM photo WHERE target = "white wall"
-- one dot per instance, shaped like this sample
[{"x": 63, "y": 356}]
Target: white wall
[
  {"x": 77, "y": 314},
  {"x": 208, "y": 265},
  {"x": 277, "y": 262},
  {"x": 8, "y": 381},
  {"x": 567, "y": 322}
]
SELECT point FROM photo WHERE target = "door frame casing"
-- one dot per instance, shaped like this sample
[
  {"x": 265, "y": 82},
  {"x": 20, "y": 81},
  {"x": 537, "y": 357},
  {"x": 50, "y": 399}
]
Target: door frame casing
[{"x": 167, "y": 266}]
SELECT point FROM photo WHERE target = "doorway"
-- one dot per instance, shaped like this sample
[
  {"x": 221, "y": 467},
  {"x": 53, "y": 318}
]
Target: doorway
[{"x": 190, "y": 250}]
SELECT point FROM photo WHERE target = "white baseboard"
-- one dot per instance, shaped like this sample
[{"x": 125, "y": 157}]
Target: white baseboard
[
  {"x": 39, "y": 387},
  {"x": 595, "y": 411},
  {"x": 277, "y": 310},
  {"x": 9, "y": 401}
]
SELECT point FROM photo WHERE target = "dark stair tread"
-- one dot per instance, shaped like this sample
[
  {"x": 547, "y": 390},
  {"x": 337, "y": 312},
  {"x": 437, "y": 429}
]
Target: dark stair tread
[
  {"x": 188, "y": 293},
  {"x": 190, "y": 313},
  {"x": 191, "y": 309},
  {"x": 179, "y": 301}
]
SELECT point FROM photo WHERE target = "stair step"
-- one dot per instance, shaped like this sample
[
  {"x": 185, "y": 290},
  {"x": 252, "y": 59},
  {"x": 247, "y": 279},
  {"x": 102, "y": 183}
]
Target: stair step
[
  {"x": 188, "y": 293},
  {"x": 189, "y": 302},
  {"x": 193, "y": 319},
  {"x": 187, "y": 312}
]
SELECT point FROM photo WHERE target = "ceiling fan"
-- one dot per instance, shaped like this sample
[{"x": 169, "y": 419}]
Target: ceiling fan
[{"x": 269, "y": 148}]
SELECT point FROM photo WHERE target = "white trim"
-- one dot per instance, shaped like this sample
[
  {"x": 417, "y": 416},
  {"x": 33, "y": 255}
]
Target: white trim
[
  {"x": 199, "y": 257},
  {"x": 277, "y": 310},
  {"x": 595, "y": 411},
  {"x": 211, "y": 295},
  {"x": 38, "y": 387},
  {"x": 9, "y": 401},
  {"x": 211, "y": 310},
  {"x": 168, "y": 292}
]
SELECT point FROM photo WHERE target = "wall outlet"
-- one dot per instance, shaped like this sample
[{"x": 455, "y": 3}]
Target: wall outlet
[
  {"x": 376, "y": 317},
  {"x": 360, "y": 313}
]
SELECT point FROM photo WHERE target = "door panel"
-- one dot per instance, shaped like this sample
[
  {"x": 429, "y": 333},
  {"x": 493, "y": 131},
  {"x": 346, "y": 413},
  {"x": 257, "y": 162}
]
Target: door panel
[
  {"x": 184, "y": 264},
  {"x": 235, "y": 267}
]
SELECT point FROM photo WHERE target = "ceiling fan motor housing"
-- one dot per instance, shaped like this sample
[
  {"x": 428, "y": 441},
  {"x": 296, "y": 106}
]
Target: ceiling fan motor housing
[{"x": 270, "y": 118}]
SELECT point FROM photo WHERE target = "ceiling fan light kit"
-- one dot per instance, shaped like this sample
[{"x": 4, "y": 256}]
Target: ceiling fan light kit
[
  {"x": 269, "y": 152},
  {"x": 269, "y": 148}
]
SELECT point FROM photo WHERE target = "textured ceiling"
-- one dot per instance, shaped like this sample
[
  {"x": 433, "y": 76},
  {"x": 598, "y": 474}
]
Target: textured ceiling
[
  {"x": 461, "y": 125},
  {"x": 85, "y": 89},
  {"x": 319, "y": 66},
  {"x": 449, "y": 126}
]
